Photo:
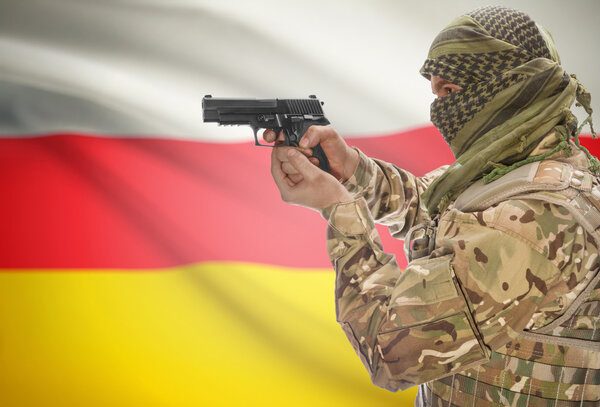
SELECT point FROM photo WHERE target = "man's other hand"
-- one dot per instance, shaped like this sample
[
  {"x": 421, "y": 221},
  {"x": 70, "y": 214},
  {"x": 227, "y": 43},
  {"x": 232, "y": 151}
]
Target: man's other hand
[{"x": 316, "y": 190}]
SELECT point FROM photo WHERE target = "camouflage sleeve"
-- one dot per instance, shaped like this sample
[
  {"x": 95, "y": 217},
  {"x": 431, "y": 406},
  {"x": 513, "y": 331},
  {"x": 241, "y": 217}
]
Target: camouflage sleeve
[
  {"x": 494, "y": 273},
  {"x": 392, "y": 194}
]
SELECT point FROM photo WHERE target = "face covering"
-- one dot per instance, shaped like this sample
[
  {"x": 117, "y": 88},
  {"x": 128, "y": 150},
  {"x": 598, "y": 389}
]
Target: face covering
[{"x": 514, "y": 93}]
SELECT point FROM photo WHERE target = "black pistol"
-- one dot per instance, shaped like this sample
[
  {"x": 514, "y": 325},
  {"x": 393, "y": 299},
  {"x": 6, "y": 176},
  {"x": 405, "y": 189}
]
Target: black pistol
[{"x": 292, "y": 116}]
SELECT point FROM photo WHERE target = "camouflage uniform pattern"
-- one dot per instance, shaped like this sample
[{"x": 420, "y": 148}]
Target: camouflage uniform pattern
[{"x": 453, "y": 320}]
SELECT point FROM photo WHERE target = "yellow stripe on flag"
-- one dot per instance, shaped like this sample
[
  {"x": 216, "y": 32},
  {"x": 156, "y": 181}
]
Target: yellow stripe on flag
[{"x": 212, "y": 334}]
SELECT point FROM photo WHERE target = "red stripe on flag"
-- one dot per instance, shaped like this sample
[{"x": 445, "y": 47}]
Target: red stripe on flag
[{"x": 75, "y": 201}]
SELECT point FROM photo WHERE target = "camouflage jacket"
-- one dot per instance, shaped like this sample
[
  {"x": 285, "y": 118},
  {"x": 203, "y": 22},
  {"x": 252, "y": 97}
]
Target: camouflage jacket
[{"x": 453, "y": 319}]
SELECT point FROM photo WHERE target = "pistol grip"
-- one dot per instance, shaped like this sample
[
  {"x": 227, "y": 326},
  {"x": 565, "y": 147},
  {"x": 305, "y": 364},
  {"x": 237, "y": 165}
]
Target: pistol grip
[
  {"x": 320, "y": 154},
  {"x": 293, "y": 137}
]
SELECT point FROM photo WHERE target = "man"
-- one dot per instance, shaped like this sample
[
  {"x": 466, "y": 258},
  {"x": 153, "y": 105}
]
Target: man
[{"x": 500, "y": 303}]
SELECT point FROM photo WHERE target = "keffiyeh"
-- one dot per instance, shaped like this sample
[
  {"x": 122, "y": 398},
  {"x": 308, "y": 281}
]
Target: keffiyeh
[{"x": 514, "y": 93}]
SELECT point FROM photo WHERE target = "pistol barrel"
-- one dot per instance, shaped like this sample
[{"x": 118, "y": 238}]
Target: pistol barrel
[
  {"x": 235, "y": 111},
  {"x": 243, "y": 111}
]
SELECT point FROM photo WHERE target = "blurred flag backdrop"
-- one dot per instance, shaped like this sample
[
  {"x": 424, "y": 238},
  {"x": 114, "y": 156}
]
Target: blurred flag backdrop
[{"x": 147, "y": 258}]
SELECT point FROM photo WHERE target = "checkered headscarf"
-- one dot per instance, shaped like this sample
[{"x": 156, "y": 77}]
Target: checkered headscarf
[{"x": 514, "y": 93}]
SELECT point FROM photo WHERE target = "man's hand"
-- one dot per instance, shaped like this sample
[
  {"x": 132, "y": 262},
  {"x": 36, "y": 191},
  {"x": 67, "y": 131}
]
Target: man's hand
[
  {"x": 343, "y": 160},
  {"x": 316, "y": 190}
]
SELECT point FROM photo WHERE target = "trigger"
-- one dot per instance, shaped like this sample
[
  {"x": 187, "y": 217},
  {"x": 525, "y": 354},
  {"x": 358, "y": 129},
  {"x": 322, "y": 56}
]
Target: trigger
[
  {"x": 256, "y": 143},
  {"x": 255, "y": 131}
]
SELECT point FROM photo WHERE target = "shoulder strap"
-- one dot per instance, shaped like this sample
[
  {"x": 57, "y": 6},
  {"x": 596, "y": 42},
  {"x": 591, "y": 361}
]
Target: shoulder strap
[{"x": 538, "y": 176}]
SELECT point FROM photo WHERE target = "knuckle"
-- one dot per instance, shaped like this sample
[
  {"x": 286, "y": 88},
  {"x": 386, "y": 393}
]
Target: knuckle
[{"x": 330, "y": 131}]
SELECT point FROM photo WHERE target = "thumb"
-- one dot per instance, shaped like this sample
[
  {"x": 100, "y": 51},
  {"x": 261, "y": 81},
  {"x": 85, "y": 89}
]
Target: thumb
[
  {"x": 301, "y": 164},
  {"x": 313, "y": 136}
]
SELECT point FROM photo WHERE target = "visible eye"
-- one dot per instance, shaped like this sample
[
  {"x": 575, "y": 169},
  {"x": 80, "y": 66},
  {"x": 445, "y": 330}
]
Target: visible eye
[{"x": 441, "y": 90}]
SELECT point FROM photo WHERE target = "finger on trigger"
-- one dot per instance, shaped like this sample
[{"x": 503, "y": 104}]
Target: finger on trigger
[
  {"x": 281, "y": 136},
  {"x": 314, "y": 160},
  {"x": 269, "y": 135}
]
